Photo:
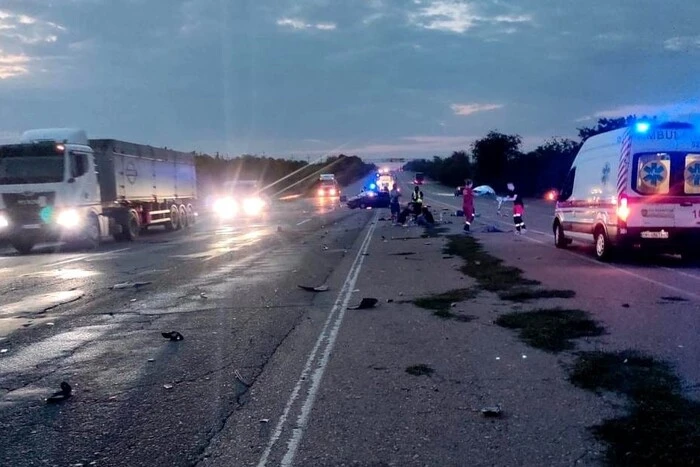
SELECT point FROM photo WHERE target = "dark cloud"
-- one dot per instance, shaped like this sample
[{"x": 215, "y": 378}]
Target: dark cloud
[{"x": 420, "y": 76}]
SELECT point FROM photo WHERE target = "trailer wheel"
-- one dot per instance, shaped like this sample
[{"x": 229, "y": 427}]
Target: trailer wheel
[
  {"x": 191, "y": 218},
  {"x": 174, "y": 222},
  {"x": 184, "y": 219}
]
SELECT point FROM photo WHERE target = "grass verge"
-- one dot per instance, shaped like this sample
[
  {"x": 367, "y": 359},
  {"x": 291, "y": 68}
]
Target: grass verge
[
  {"x": 662, "y": 427},
  {"x": 420, "y": 370},
  {"x": 442, "y": 303},
  {"x": 489, "y": 271},
  {"x": 551, "y": 329}
]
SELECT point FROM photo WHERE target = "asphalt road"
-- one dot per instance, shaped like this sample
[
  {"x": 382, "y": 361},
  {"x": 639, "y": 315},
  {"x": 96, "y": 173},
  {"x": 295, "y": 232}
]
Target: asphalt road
[
  {"x": 647, "y": 302},
  {"x": 138, "y": 398}
]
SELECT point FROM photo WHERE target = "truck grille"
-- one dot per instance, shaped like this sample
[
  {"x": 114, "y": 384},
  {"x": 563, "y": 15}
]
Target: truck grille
[{"x": 25, "y": 208}]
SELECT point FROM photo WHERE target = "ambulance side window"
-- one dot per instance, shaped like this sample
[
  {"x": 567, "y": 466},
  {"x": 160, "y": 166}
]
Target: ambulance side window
[{"x": 567, "y": 187}]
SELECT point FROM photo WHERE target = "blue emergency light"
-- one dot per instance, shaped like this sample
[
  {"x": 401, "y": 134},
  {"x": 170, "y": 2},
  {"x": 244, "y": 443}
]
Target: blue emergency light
[
  {"x": 372, "y": 186},
  {"x": 642, "y": 127}
]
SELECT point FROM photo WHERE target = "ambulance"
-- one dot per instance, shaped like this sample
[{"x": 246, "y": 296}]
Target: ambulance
[{"x": 636, "y": 187}]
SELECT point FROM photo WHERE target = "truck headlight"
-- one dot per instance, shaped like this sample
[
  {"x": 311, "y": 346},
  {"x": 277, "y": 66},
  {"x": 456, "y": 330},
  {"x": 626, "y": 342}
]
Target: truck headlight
[
  {"x": 4, "y": 223},
  {"x": 253, "y": 206},
  {"x": 225, "y": 207},
  {"x": 68, "y": 218}
]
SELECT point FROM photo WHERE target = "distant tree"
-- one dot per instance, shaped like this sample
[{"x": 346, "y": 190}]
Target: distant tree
[
  {"x": 492, "y": 156},
  {"x": 609, "y": 124}
]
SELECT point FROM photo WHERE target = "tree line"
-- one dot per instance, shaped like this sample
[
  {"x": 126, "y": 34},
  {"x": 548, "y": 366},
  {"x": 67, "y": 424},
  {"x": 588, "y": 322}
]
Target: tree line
[
  {"x": 498, "y": 159},
  {"x": 276, "y": 176}
]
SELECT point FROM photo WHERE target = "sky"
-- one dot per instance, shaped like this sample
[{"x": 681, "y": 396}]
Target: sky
[{"x": 376, "y": 78}]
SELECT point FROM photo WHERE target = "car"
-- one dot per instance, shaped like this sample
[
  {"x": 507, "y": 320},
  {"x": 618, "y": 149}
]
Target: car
[
  {"x": 369, "y": 199},
  {"x": 240, "y": 198}
]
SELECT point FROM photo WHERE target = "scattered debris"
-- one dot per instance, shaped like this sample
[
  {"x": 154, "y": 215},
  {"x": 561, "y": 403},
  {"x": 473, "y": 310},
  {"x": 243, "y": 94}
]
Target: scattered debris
[
  {"x": 674, "y": 299},
  {"x": 625, "y": 305},
  {"x": 4, "y": 350},
  {"x": 427, "y": 243},
  {"x": 238, "y": 376},
  {"x": 403, "y": 253},
  {"x": 173, "y": 335},
  {"x": 203, "y": 295},
  {"x": 168, "y": 386},
  {"x": 420, "y": 370},
  {"x": 129, "y": 285},
  {"x": 132, "y": 300},
  {"x": 264, "y": 420},
  {"x": 50, "y": 324},
  {"x": 390, "y": 300},
  {"x": 365, "y": 303},
  {"x": 59, "y": 396},
  {"x": 494, "y": 411},
  {"x": 320, "y": 288},
  {"x": 493, "y": 229},
  {"x": 447, "y": 257},
  {"x": 151, "y": 360}
]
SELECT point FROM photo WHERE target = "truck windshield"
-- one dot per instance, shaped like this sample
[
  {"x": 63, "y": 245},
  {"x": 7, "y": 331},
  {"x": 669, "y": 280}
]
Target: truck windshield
[{"x": 22, "y": 165}]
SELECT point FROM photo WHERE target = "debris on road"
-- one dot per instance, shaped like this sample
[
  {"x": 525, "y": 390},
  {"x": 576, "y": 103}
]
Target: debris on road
[
  {"x": 308, "y": 288},
  {"x": 365, "y": 304},
  {"x": 238, "y": 376},
  {"x": 403, "y": 253},
  {"x": 172, "y": 335},
  {"x": 264, "y": 420},
  {"x": 494, "y": 411},
  {"x": 625, "y": 305},
  {"x": 129, "y": 285},
  {"x": 390, "y": 300},
  {"x": 447, "y": 257},
  {"x": 60, "y": 396},
  {"x": 132, "y": 300},
  {"x": 168, "y": 386},
  {"x": 4, "y": 350},
  {"x": 151, "y": 360},
  {"x": 50, "y": 324},
  {"x": 203, "y": 295},
  {"x": 494, "y": 229},
  {"x": 420, "y": 370}
]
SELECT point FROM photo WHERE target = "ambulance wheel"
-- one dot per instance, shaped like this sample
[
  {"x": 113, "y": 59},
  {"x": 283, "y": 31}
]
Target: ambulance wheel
[
  {"x": 560, "y": 241},
  {"x": 603, "y": 249}
]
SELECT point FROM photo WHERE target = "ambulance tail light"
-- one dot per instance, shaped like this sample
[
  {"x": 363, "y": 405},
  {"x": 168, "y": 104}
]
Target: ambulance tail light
[{"x": 623, "y": 210}]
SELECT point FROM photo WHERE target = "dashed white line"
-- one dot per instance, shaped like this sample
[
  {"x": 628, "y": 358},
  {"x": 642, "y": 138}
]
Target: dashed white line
[
  {"x": 303, "y": 222},
  {"x": 326, "y": 339}
]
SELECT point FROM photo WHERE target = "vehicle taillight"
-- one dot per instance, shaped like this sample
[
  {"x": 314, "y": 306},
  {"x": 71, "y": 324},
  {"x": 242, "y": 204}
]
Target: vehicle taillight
[{"x": 623, "y": 210}]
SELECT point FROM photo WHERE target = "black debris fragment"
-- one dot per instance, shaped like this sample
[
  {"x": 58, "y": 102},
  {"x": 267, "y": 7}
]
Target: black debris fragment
[
  {"x": 365, "y": 303},
  {"x": 494, "y": 411},
  {"x": 59, "y": 396},
  {"x": 308, "y": 288},
  {"x": 173, "y": 335}
]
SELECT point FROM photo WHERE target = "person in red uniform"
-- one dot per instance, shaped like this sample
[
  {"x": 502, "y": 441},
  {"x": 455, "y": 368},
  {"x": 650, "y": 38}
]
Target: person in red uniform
[{"x": 468, "y": 204}]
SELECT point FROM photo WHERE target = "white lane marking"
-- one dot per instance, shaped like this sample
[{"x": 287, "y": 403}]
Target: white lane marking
[
  {"x": 617, "y": 268},
  {"x": 84, "y": 257},
  {"x": 327, "y": 338},
  {"x": 303, "y": 222}
]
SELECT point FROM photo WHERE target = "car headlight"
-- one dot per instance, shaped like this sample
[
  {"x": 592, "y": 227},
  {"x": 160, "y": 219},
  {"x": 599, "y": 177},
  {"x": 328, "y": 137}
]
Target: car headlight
[
  {"x": 68, "y": 218},
  {"x": 321, "y": 192},
  {"x": 225, "y": 207},
  {"x": 4, "y": 223},
  {"x": 253, "y": 206}
]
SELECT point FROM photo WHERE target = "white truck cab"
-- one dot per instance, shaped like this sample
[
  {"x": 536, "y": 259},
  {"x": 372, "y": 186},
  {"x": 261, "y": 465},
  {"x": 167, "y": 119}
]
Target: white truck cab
[
  {"x": 49, "y": 189},
  {"x": 634, "y": 187}
]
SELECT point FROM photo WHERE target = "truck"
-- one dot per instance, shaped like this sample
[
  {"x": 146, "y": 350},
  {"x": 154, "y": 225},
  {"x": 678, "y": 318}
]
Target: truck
[{"x": 56, "y": 185}]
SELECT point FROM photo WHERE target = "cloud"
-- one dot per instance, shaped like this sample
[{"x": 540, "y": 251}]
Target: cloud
[
  {"x": 12, "y": 65},
  {"x": 682, "y": 43},
  {"x": 459, "y": 16},
  {"x": 296, "y": 23},
  {"x": 468, "y": 109},
  {"x": 27, "y": 30},
  {"x": 664, "y": 111}
]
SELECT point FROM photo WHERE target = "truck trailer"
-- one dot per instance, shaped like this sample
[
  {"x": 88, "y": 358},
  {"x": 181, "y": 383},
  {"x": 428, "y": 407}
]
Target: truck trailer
[{"x": 56, "y": 185}]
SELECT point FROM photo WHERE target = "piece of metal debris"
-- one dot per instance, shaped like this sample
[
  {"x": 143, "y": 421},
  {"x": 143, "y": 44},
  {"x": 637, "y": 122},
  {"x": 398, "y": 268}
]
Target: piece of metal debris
[
  {"x": 365, "y": 303},
  {"x": 494, "y": 411},
  {"x": 238, "y": 376},
  {"x": 168, "y": 386},
  {"x": 172, "y": 335},
  {"x": 320, "y": 288},
  {"x": 59, "y": 396},
  {"x": 129, "y": 285}
]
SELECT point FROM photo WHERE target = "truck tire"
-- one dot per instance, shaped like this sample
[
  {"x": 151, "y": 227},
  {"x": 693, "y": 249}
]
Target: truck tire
[
  {"x": 92, "y": 234},
  {"x": 130, "y": 228},
  {"x": 23, "y": 245},
  {"x": 184, "y": 220},
  {"x": 190, "y": 215},
  {"x": 174, "y": 222}
]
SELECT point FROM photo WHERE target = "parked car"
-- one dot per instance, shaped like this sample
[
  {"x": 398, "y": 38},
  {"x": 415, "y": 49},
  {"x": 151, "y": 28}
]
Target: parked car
[{"x": 369, "y": 199}]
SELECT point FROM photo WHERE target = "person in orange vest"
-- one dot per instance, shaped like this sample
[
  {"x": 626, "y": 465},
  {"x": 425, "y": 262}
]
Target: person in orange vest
[{"x": 468, "y": 204}]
